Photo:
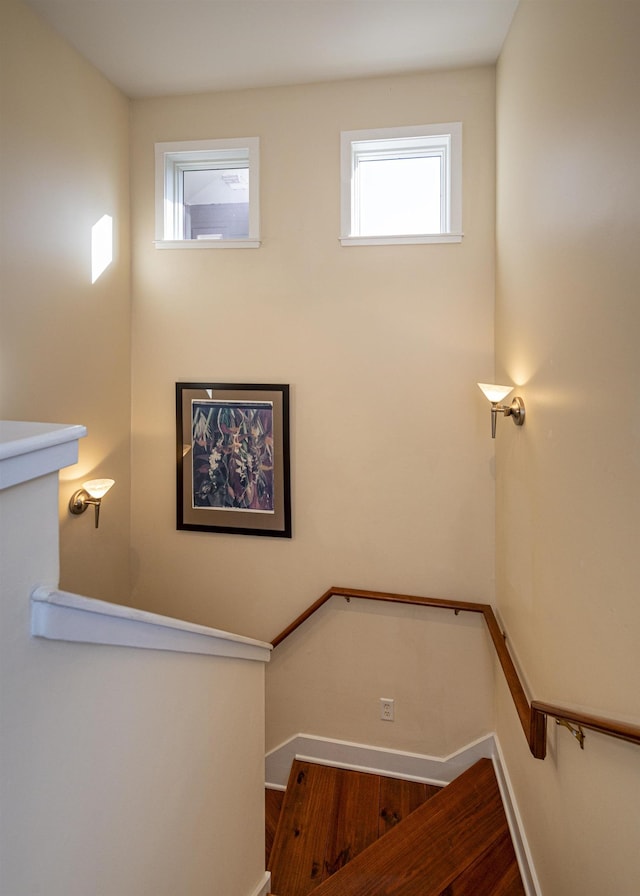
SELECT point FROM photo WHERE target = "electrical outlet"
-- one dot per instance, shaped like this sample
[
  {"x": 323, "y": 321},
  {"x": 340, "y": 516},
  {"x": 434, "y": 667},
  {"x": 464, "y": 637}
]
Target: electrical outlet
[{"x": 386, "y": 709}]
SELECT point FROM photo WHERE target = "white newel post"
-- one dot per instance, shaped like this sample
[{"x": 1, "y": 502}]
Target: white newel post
[{"x": 31, "y": 454}]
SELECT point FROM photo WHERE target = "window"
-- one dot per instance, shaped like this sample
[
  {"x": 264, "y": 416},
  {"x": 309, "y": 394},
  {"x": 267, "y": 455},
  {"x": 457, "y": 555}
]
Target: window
[
  {"x": 402, "y": 185},
  {"x": 207, "y": 194}
]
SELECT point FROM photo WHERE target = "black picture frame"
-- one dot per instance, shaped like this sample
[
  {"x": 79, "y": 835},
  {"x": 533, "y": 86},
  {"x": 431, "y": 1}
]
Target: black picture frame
[{"x": 233, "y": 458}]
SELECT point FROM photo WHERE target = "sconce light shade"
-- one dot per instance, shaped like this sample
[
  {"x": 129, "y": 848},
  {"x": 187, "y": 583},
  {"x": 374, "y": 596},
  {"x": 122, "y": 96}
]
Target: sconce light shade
[
  {"x": 98, "y": 488},
  {"x": 92, "y": 492},
  {"x": 495, "y": 394}
]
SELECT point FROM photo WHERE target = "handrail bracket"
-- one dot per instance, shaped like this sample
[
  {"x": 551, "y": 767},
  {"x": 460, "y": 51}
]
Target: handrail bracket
[{"x": 578, "y": 732}]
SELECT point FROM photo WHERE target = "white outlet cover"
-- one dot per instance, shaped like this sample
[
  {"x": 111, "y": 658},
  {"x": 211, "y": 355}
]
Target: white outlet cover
[{"x": 386, "y": 709}]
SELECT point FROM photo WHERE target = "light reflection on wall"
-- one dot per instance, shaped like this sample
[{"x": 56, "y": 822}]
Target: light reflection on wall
[{"x": 101, "y": 246}]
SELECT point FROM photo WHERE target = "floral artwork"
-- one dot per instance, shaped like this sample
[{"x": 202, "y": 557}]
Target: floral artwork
[
  {"x": 232, "y": 454},
  {"x": 233, "y": 468}
]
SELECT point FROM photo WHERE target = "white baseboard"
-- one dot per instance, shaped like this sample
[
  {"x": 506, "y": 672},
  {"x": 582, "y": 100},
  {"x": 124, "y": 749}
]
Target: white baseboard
[
  {"x": 377, "y": 760},
  {"x": 410, "y": 767},
  {"x": 514, "y": 820},
  {"x": 263, "y": 887}
]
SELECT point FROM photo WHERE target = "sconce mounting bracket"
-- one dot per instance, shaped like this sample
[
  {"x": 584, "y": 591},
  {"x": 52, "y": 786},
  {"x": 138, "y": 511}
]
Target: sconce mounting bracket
[
  {"x": 516, "y": 411},
  {"x": 79, "y": 501}
]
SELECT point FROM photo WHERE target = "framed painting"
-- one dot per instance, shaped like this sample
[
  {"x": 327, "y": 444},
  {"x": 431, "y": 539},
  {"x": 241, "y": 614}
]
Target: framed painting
[{"x": 232, "y": 444}]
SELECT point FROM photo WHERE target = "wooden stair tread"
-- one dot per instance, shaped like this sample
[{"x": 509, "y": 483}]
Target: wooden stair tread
[
  {"x": 273, "y": 800},
  {"x": 442, "y": 849},
  {"x": 355, "y": 819},
  {"x": 495, "y": 871},
  {"x": 331, "y": 815}
]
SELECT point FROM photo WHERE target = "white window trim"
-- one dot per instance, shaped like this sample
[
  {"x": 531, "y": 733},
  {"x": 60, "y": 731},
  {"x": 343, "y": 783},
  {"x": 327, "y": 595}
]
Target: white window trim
[
  {"x": 171, "y": 158},
  {"x": 453, "y": 233}
]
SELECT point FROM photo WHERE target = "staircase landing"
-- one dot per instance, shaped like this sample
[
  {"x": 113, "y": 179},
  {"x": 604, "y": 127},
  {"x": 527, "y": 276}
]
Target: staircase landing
[
  {"x": 346, "y": 833},
  {"x": 329, "y": 816}
]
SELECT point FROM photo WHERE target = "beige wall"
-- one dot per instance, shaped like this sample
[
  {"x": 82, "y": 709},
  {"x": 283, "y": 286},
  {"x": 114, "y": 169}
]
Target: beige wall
[
  {"x": 392, "y": 485},
  {"x": 327, "y": 678},
  {"x": 65, "y": 347},
  {"x": 569, "y": 481}
]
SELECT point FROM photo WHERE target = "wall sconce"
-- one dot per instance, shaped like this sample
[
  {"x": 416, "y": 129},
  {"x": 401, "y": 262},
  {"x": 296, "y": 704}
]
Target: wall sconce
[
  {"x": 92, "y": 492},
  {"x": 495, "y": 394}
]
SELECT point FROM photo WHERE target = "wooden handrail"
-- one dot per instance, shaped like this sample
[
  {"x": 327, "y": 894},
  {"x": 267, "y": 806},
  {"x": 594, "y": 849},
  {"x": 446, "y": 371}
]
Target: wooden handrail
[
  {"x": 533, "y": 717},
  {"x": 611, "y": 727}
]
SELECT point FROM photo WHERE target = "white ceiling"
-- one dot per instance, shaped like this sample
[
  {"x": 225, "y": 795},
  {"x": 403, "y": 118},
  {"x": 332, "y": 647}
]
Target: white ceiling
[{"x": 161, "y": 47}]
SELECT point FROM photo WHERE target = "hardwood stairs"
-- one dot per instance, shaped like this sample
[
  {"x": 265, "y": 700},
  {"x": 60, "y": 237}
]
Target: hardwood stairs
[{"x": 342, "y": 833}]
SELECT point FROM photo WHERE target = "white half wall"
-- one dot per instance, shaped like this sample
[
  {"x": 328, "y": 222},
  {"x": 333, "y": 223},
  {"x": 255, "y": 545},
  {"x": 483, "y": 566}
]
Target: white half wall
[{"x": 122, "y": 771}]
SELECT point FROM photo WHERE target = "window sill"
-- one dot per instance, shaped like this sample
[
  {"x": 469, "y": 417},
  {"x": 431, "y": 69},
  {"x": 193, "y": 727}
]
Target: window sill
[
  {"x": 401, "y": 240},
  {"x": 207, "y": 244}
]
